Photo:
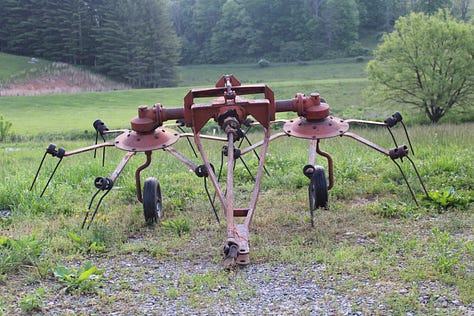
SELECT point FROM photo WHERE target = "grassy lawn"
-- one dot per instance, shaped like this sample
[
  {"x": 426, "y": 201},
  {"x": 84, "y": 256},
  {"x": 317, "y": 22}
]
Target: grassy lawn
[{"x": 373, "y": 240}]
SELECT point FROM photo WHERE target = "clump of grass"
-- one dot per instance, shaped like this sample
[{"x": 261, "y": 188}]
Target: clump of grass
[
  {"x": 20, "y": 252},
  {"x": 178, "y": 226},
  {"x": 444, "y": 251},
  {"x": 32, "y": 302}
]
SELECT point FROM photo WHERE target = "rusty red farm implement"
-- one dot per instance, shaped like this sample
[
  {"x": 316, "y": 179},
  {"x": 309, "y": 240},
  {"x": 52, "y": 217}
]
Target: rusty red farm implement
[{"x": 232, "y": 112}]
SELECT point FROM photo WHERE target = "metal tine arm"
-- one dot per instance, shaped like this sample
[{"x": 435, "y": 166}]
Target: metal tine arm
[
  {"x": 60, "y": 153},
  {"x": 406, "y": 181},
  {"x": 96, "y": 208},
  {"x": 50, "y": 150},
  {"x": 392, "y": 121},
  {"x": 37, "y": 171},
  {"x": 211, "y": 200},
  {"x": 181, "y": 123},
  {"x": 396, "y": 153},
  {"x": 389, "y": 123},
  {"x": 248, "y": 122},
  {"x": 399, "y": 153},
  {"x": 419, "y": 177}
]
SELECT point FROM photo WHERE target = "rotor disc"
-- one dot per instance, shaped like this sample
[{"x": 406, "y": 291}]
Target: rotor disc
[
  {"x": 316, "y": 129},
  {"x": 137, "y": 142}
]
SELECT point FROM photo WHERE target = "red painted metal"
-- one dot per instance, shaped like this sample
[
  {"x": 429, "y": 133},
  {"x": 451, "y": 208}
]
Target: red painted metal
[
  {"x": 196, "y": 115},
  {"x": 142, "y": 142},
  {"x": 231, "y": 111},
  {"x": 327, "y": 127}
]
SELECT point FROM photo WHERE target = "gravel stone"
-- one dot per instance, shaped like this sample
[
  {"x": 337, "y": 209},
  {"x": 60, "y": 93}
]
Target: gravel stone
[{"x": 143, "y": 285}]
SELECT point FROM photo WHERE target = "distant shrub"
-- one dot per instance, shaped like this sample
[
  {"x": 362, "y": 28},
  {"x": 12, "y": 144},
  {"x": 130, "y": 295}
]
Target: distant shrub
[
  {"x": 263, "y": 63},
  {"x": 4, "y": 128}
]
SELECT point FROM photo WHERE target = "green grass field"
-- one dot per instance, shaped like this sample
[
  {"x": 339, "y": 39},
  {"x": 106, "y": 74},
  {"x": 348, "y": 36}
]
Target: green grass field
[
  {"x": 373, "y": 240},
  {"x": 18, "y": 67}
]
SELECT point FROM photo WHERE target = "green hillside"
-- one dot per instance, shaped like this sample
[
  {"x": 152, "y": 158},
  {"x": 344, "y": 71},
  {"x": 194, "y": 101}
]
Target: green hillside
[{"x": 18, "y": 67}]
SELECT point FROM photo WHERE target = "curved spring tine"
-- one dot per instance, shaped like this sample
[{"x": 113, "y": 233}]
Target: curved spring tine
[
  {"x": 393, "y": 137},
  {"x": 89, "y": 208},
  {"x": 96, "y": 208},
  {"x": 254, "y": 151},
  {"x": 219, "y": 175},
  {"x": 103, "y": 149},
  {"x": 406, "y": 181},
  {"x": 419, "y": 177},
  {"x": 51, "y": 176},
  {"x": 246, "y": 167},
  {"x": 211, "y": 200},
  {"x": 257, "y": 156},
  {"x": 189, "y": 142},
  {"x": 408, "y": 138},
  {"x": 37, "y": 172}
]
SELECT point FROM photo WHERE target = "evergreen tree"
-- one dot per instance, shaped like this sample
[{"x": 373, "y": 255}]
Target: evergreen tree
[
  {"x": 75, "y": 31},
  {"x": 380, "y": 14},
  {"x": 111, "y": 38},
  {"x": 51, "y": 32},
  {"x": 21, "y": 22},
  {"x": 136, "y": 42},
  {"x": 229, "y": 41}
]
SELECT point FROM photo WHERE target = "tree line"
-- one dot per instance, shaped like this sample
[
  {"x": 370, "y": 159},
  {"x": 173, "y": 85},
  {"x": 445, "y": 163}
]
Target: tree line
[
  {"x": 132, "y": 41},
  {"x": 142, "y": 41},
  {"x": 222, "y": 31}
]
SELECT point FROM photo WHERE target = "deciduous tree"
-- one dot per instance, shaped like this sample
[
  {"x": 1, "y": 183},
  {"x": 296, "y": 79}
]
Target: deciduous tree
[{"x": 426, "y": 62}]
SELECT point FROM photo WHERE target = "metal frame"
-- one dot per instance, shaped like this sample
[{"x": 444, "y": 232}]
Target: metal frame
[{"x": 231, "y": 111}]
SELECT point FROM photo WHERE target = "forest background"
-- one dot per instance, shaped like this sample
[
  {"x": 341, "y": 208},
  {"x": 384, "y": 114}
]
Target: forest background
[{"x": 141, "y": 42}]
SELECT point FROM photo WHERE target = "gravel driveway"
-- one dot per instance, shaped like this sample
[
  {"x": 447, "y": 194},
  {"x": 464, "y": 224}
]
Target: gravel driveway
[{"x": 143, "y": 285}]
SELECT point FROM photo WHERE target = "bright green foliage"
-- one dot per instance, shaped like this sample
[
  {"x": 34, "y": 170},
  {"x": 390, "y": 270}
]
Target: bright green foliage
[
  {"x": 32, "y": 302},
  {"x": 82, "y": 280},
  {"x": 426, "y": 62},
  {"x": 446, "y": 199},
  {"x": 179, "y": 226},
  {"x": 86, "y": 245},
  {"x": 14, "y": 253}
]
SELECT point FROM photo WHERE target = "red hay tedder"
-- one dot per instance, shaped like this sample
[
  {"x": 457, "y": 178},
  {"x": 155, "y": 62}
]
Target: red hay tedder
[{"x": 232, "y": 112}]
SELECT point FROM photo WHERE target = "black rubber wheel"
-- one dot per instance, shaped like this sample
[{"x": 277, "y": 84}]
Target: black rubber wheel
[
  {"x": 152, "y": 203},
  {"x": 317, "y": 191}
]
